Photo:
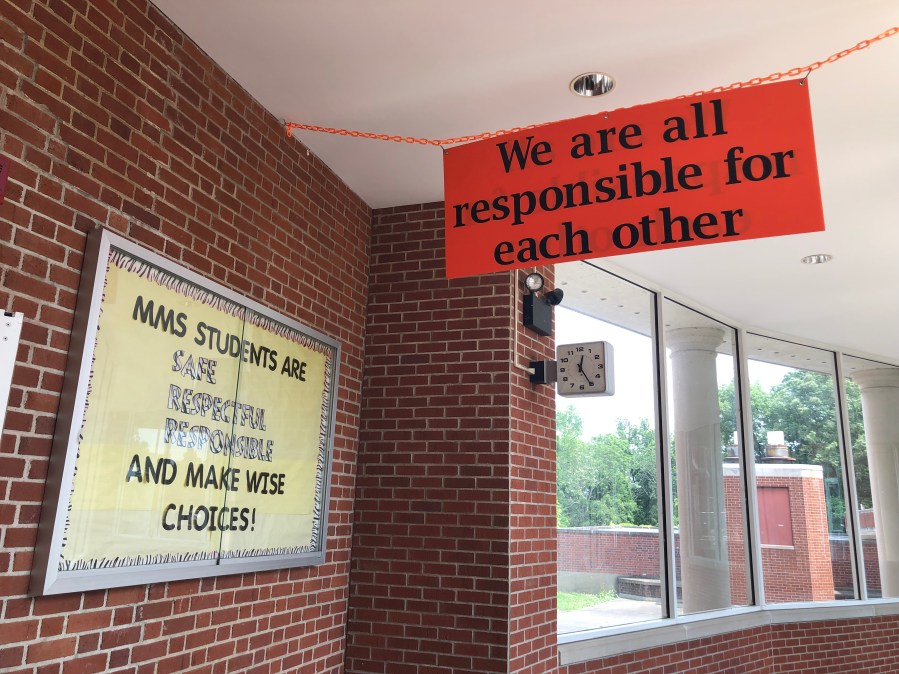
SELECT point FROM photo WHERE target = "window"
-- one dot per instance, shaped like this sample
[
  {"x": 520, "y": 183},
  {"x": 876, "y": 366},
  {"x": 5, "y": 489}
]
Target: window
[
  {"x": 798, "y": 453},
  {"x": 606, "y": 458},
  {"x": 707, "y": 484},
  {"x": 872, "y": 412},
  {"x": 729, "y": 470}
]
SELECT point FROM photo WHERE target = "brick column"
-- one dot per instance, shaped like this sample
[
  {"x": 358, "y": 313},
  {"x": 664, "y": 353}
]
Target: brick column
[
  {"x": 454, "y": 542},
  {"x": 533, "y": 532}
]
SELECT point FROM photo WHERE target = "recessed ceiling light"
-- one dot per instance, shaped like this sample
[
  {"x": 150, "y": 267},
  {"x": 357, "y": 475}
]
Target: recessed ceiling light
[
  {"x": 592, "y": 84},
  {"x": 819, "y": 258}
]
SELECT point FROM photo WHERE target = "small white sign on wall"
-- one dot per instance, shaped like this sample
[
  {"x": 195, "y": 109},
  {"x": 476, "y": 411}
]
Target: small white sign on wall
[{"x": 10, "y": 329}]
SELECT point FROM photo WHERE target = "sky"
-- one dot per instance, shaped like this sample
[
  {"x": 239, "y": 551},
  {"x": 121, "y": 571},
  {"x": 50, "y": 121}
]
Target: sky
[{"x": 633, "y": 378}]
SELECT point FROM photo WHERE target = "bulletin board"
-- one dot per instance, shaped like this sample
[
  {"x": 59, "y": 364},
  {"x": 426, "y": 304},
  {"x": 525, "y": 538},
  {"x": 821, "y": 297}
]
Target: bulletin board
[{"x": 195, "y": 436}]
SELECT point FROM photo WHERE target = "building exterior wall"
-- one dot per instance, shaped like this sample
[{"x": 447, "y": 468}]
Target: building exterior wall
[
  {"x": 601, "y": 552},
  {"x": 744, "y": 652},
  {"x": 860, "y": 646},
  {"x": 735, "y": 505},
  {"x": 113, "y": 118},
  {"x": 621, "y": 551},
  {"x": 802, "y": 571},
  {"x": 454, "y": 545}
]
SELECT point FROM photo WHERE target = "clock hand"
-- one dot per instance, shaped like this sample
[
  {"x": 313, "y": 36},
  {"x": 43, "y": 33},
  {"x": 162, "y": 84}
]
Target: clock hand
[{"x": 580, "y": 368}]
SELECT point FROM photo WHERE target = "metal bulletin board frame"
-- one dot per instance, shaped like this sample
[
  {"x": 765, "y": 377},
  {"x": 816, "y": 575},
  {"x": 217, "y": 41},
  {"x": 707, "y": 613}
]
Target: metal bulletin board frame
[{"x": 176, "y": 455}]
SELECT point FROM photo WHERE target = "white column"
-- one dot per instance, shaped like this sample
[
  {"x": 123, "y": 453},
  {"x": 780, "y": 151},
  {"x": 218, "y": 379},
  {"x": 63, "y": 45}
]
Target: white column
[
  {"x": 702, "y": 519},
  {"x": 880, "y": 406}
]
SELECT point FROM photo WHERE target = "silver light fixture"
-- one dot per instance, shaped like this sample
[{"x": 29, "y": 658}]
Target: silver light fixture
[
  {"x": 592, "y": 84},
  {"x": 534, "y": 282},
  {"x": 537, "y": 312},
  {"x": 817, "y": 258}
]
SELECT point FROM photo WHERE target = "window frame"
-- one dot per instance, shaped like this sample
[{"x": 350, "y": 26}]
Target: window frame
[{"x": 607, "y": 641}]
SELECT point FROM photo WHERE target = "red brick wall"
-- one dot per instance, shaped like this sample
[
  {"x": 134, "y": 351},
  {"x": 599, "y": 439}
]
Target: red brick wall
[
  {"x": 803, "y": 572},
  {"x": 871, "y": 561},
  {"x": 744, "y": 652},
  {"x": 533, "y": 570},
  {"x": 842, "y": 565},
  {"x": 453, "y": 448},
  {"x": 735, "y": 512},
  {"x": 861, "y": 646},
  {"x": 628, "y": 552},
  {"x": 430, "y": 585},
  {"x": 112, "y": 117}
]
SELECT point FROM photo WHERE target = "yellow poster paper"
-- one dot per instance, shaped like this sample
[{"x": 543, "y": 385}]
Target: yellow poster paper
[{"x": 205, "y": 429}]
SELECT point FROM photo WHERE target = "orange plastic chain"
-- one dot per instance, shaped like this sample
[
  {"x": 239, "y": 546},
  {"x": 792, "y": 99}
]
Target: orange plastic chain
[{"x": 773, "y": 77}]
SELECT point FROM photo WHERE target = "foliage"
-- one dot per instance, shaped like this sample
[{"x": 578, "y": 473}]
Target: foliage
[
  {"x": 803, "y": 406},
  {"x": 610, "y": 479},
  {"x": 730, "y": 410},
  {"x": 572, "y": 601}
]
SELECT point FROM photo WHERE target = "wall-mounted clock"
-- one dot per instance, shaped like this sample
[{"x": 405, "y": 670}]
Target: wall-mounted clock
[{"x": 585, "y": 369}]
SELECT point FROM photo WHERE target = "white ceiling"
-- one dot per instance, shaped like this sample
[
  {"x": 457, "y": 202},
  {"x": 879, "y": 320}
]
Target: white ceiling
[{"x": 439, "y": 69}]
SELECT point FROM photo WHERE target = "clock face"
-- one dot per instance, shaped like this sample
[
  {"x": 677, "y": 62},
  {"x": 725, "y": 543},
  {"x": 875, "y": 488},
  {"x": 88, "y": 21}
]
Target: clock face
[{"x": 584, "y": 369}]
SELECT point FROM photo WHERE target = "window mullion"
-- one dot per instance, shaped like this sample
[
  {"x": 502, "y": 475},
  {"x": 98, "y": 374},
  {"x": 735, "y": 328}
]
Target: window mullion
[
  {"x": 849, "y": 483},
  {"x": 747, "y": 458},
  {"x": 663, "y": 466}
]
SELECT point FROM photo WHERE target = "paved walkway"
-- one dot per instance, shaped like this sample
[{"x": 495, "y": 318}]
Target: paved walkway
[{"x": 609, "y": 614}]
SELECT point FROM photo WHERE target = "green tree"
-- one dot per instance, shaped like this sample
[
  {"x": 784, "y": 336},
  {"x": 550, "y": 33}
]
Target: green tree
[
  {"x": 859, "y": 448},
  {"x": 803, "y": 406},
  {"x": 641, "y": 448},
  {"x": 730, "y": 408},
  {"x": 569, "y": 453},
  {"x": 609, "y": 479}
]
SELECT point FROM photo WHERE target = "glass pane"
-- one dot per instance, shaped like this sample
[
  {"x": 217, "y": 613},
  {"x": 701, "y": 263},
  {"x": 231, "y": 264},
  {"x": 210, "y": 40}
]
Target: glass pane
[
  {"x": 799, "y": 473},
  {"x": 709, "y": 502},
  {"x": 152, "y": 513},
  {"x": 872, "y": 398},
  {"x": 606, "y": 461}
]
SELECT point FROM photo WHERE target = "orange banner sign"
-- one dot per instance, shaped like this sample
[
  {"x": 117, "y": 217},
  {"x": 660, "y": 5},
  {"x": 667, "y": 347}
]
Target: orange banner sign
[{"x": 708, "y": 169}]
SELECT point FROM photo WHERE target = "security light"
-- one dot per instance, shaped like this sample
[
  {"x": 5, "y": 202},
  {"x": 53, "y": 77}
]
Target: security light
[
  {"x": 537, "y": 310},
  {"x": 533, "y": 282}
]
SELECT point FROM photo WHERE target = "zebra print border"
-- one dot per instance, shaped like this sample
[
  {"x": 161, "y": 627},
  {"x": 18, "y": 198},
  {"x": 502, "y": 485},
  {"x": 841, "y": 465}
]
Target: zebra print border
[{"x": 129, "y": 263}]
